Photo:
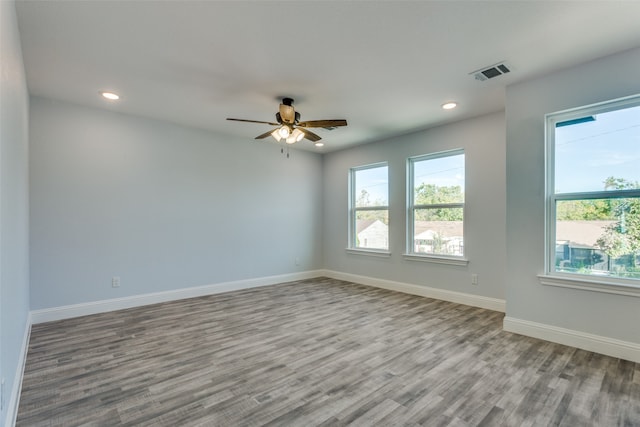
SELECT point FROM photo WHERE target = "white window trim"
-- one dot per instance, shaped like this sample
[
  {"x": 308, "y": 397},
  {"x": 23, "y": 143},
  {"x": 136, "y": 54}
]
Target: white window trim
[
  {"x": 620, "y": 286},
  {"x": 380, "y": 253},
  {"x": 351, "y": 244},
  {"x": 436, "y": 259},
  {"x": 409, "y": 254},
  {"x": 584, "y": 282}
]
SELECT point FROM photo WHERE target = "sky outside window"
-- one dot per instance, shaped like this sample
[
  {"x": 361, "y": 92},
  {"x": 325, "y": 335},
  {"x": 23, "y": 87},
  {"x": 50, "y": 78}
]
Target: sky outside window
[
  {"x": 442, "y": 172},
  {"x": 588, "y": 153},
  {"x": 375, "y": 182}
]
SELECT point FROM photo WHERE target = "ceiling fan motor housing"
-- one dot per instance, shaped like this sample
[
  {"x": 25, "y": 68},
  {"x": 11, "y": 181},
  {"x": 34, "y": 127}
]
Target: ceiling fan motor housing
[
  {"x": 287, "y": 113},
  {"x": 279, "y": 119}
]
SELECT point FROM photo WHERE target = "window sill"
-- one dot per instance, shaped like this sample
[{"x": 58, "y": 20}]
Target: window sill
[
  {"x": 589, "y": 284},
  {"x": 380, "y": 253},
  {"x": 436, "y": 259}
]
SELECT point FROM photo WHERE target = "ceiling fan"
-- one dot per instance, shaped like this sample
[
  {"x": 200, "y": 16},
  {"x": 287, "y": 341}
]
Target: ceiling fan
[{"x": 290, "y": 128}]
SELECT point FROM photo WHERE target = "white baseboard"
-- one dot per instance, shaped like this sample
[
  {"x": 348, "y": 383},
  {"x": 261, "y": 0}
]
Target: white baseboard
[
  {"x": 494, "y": 304},
  {"x": 94, "y": 307},
  {"x": 596, "y": 343},
  {"x": 14, "y": 398}
]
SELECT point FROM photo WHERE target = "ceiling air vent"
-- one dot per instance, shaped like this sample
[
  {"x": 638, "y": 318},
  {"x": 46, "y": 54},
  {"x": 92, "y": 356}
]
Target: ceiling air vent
[{"x": 491, "y": 71}]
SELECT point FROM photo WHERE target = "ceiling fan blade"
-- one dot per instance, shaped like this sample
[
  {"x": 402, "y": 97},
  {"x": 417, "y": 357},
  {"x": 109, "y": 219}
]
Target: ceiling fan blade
[
  {"x": 310, "y": 135},
  {"x": 328, "y": 124},
  {"x": 287, "y": 113},
  {"x": 254, "y": 121},
  {"x": 264, "y": 135}
]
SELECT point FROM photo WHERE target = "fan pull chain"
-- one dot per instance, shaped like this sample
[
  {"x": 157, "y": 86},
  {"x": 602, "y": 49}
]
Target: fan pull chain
[{"x": 282, "y": 151}]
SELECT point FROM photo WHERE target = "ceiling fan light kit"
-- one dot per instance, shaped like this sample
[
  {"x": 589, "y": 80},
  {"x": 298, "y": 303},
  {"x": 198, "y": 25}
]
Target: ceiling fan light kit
[
  {"x": 276, "y": 135},
  {"x": 296, "y": 136},
  {"x": 284, "y": 132},
  {"x": 291, "y": 129}
]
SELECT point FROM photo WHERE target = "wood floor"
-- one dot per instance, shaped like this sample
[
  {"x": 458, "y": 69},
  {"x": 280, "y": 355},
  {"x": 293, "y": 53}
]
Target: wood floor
[{"x": 311, "y": 353}]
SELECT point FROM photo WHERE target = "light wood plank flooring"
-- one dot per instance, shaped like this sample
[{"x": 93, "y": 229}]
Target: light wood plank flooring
[{"x": 311, "y": 353}]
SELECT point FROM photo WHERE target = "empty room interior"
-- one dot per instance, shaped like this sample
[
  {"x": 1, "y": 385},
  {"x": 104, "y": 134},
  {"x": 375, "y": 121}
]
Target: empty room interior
[{"x": 247, "y": 213}]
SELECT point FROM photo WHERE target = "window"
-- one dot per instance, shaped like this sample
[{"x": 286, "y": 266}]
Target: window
[
  {"x": 593, "y": 192},
  {"x": 436, "y": 204},
  {"x": 369, "y": 207}
]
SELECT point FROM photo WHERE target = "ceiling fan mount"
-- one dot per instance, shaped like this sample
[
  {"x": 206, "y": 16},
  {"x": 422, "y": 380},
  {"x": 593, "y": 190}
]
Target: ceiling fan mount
[{"x": 290, "y": 128}]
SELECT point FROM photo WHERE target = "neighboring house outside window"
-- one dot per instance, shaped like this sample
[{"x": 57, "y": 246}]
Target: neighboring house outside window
[
  {"x": 593, "y": 192},
  {"x": 369, "y": 207},
  {"x": 436, "y": 204},
  {"x": 372, "y": 233}
]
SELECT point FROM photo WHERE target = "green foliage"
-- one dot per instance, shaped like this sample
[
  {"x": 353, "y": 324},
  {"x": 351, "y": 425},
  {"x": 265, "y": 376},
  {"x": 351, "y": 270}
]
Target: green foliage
[
  {"x": 612, "y": 183},
  {"x": 623, "y": 236},
  {"x": 584, "y": 210},
  {"x": 429, "y": 194},
  {"x": 591, "y": 210},
  {"x": 438, "y": 244},
  {"x": 363, "y": 200},
  {"x": 383, "y": 216}
]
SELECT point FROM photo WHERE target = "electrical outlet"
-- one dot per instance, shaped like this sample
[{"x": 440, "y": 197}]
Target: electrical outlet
[
  {"x": 297, "y": 261},
  {"x": 115, "y": 282},
  {"x": 474, "y": 279}
]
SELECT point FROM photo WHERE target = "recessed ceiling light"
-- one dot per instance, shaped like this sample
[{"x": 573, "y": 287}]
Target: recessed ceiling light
[
  {"x": 449, "y": 105},
  {"x": 319, "y": 144},
  {"x": 110, "y": 95}
]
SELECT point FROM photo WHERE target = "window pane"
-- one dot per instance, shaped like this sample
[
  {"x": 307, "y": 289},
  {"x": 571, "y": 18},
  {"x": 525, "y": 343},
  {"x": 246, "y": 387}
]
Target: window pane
[
  {"x": 439, "y": 180},
  {"x": 372, "y": 229},
  {"x": 371, "y": 188},
  {"x": 598, "y": 237},
  {"x": 595, "y": 155},
  {"x": 438, "y": 231}
]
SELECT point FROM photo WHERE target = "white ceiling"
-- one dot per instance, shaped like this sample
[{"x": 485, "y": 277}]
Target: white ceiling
[{"x": 385, "y": 66}]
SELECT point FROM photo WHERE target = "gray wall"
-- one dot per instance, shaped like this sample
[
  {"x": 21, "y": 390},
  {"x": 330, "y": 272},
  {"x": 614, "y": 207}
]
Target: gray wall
[
  {"x": 162, "y": 206},
  {"x": 483, "y": 140},
  {"x": 14, "y": 207},
  {"x": 613, "y": 316}
]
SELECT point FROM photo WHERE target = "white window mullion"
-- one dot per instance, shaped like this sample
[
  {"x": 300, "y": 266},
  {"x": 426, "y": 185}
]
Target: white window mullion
[{"x": 594, "y": 195}]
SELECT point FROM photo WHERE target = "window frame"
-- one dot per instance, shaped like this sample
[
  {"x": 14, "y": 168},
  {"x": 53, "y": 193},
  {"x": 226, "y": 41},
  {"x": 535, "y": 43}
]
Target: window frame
[
  {"x": 352, "y": 246},
  {"x": 410, "y": 253},
  {"x": 607, "y": 284}
]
